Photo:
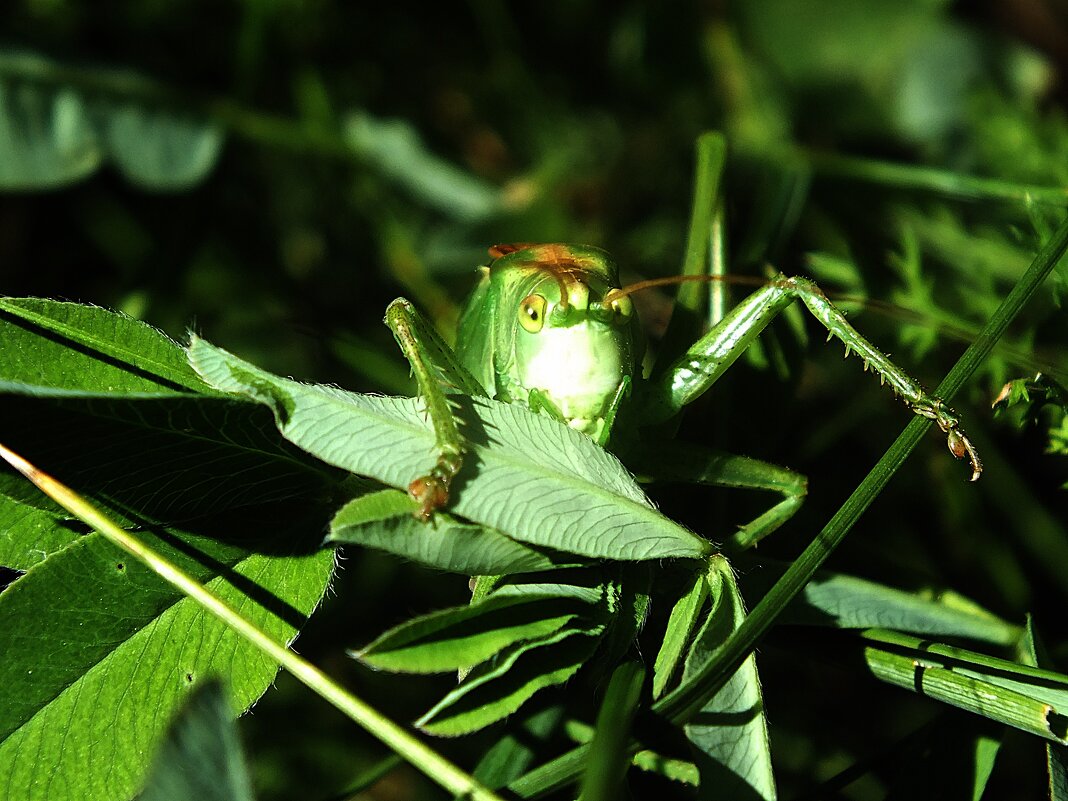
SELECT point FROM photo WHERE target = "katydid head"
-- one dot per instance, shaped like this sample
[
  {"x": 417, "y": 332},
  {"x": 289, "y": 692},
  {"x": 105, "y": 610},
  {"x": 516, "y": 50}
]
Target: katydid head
[{"x": 557, "y": 340}]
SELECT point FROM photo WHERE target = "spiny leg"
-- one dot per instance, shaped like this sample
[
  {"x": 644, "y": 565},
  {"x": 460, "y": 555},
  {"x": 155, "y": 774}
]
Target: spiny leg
[
  {"x": 436, "y": 370},
  {"x": 693, "y": 464},
  {"x": 697, "y": 369}
]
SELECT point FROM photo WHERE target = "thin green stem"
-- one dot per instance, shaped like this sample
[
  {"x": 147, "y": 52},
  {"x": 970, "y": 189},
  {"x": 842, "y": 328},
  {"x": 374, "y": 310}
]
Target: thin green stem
[
  {"x": 684, "y": 701},
  {"x": 931, "y": 179},
  {"x": 422, "y": 757}
]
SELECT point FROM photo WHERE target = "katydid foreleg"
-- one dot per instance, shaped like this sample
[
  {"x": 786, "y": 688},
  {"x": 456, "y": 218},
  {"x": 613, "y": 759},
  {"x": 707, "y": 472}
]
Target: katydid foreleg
[{"x": 436, "y": 370}]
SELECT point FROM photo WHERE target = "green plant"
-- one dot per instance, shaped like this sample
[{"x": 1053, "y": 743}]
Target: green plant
[{"x": 112, "y": 408}]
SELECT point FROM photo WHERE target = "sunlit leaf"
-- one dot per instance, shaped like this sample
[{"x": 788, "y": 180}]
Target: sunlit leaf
[{"x": 569, "y": 494}]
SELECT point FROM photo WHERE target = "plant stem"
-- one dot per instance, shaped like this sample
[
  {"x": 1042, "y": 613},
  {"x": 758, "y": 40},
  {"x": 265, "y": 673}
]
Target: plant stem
[{"x": 419, "y": 755}]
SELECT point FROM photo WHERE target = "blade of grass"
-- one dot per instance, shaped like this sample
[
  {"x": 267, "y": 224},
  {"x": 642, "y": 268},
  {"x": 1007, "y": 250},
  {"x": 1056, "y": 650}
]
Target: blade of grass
[
  {"x": 420, "y": 756},
  {"x": 683, "y": 702},
  {"x": 609, "y": 758},
  {"x": 932, "y": 179}
]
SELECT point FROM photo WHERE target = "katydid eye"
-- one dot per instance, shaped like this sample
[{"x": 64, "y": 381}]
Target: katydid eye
[
  {"x": 532, "y": 313},
  {"x": 622, "y": 308}
]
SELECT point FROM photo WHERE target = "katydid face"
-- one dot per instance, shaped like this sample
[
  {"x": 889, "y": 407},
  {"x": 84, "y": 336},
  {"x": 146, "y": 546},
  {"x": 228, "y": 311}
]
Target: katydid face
[{"x": 559, "y": 345}]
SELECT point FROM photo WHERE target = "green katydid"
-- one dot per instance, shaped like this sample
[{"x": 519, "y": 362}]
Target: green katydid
[{"x": 550, "y": 327}]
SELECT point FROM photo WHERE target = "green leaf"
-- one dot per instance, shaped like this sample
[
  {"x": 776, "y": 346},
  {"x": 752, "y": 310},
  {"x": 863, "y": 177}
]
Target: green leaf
[
  {"x": 511, "y": 755},
  {"x": 52, "y": 133},
  {"x": 567, "y": 494},
  {"x": 729, "y": 735},
  {"x": 847, "y": 602},
  {"x": 99, "y": 652},
  {"x": 463, "y": 636},
  {"x": 490, "y": 694},
  {"x": 200, "y": 758},
  {"x": 77, "y": 348},
  {"x": 31, "y": 526},
  {"x": 680, "y": 626},
  {"x": 1034, "y": 654},
  {"x": 384, "y": 520},
  {"x": 163, "y": 457}
]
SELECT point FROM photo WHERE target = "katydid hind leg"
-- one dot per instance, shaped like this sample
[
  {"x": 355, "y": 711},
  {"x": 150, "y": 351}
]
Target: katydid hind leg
[
  {"x": 688, "y": 463},
  {"x": 437, "y": 372},
  {"x": 692, "y": 374}
]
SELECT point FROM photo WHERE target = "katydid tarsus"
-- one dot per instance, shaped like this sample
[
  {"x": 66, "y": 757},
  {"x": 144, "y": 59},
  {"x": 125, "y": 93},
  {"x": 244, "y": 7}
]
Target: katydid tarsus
[{"x": 549, "y": 326}]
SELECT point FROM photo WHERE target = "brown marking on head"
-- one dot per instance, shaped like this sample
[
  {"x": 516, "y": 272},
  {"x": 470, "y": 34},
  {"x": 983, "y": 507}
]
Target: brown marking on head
[
  {"x": 556, "y": 259},
  {"x": 496, "y": 251}
]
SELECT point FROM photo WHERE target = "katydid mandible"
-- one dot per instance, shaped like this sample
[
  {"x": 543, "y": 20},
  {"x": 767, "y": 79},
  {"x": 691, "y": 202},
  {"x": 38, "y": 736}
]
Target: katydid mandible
[{"x": 549, "y": 326}]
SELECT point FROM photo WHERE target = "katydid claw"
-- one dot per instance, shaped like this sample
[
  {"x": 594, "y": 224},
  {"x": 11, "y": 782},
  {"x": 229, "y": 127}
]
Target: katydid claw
[
  {"x": 956, "y": 440},
  {"x": 960, "y": 446},
  {"x": 431, "y": 493}
]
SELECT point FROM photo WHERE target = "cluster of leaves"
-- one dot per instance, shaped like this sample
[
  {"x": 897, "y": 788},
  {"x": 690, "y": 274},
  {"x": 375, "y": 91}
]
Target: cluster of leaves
[{"x": 338, "y": 194}]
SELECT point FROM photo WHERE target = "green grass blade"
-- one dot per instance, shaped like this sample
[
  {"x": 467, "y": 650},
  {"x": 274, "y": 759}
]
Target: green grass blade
[
  {"x": 1025, "y": 698},
  {"x": 932, "y": 179},
  {"x": 603, "y": 779},
  {"x": 1034, "y": 653}
]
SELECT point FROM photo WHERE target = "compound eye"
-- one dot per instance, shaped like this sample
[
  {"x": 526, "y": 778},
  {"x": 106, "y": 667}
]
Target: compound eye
[
  {"x": 532, "y": 313},
  {"x": 622, "y": 308}
]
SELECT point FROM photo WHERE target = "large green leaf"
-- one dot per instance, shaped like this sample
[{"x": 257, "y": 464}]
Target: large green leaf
[
  {"x": 107, "y": 403},
  {"x": 162, "y": 457},
  {"x": 99, "y": 651},
  {"x": 54, "y": 133},
  {"x": 567, "y": 494}
]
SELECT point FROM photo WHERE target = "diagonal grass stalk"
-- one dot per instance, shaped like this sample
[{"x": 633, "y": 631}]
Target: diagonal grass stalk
[{"x": 419, "y": 755}]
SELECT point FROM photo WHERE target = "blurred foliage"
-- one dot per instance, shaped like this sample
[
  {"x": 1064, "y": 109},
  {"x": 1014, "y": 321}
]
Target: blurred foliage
[{"x": 350, "y": 155}]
